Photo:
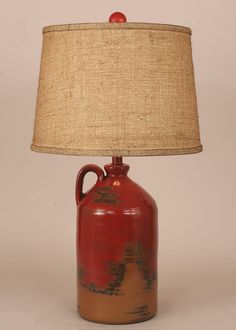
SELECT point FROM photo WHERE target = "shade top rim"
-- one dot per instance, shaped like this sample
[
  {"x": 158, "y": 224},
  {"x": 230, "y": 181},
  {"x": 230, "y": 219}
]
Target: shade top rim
[{"x": 116, "y": 26}]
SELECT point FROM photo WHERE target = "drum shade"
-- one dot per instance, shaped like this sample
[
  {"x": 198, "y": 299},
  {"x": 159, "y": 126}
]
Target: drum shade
[{"x": 116, "y": 89}]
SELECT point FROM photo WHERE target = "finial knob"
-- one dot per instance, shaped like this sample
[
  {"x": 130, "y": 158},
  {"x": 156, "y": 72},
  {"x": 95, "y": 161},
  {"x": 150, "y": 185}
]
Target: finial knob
[{"x": 117, "y": 17}]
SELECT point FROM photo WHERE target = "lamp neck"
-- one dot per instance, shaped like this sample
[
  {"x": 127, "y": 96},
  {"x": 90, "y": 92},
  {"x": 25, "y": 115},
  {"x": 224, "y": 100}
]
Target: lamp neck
[
  {"x": 117, "y": 161},
  {"x": 116, "y": 168}
]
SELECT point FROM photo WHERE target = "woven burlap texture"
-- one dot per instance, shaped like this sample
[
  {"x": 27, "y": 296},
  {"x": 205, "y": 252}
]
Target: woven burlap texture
[{"x": 116, "y": 90}]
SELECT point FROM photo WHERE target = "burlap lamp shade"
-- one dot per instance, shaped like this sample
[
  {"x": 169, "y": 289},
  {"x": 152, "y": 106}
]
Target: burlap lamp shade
[{"x": 116, "y": 90}]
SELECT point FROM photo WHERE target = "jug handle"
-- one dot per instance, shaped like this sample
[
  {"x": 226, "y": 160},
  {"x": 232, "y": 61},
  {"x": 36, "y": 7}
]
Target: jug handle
[{"x": 79, "y": 195}]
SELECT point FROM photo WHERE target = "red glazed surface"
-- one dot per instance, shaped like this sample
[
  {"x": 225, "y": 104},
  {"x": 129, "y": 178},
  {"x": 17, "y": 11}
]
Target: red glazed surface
[{"x": 116, "y": 236}]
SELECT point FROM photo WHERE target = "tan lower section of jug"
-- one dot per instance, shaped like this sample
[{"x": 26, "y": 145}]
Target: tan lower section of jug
[{"x": 136, "y": 302}]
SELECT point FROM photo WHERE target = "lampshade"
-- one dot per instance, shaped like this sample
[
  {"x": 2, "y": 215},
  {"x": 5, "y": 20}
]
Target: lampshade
[{"x": 116, "y": 89}]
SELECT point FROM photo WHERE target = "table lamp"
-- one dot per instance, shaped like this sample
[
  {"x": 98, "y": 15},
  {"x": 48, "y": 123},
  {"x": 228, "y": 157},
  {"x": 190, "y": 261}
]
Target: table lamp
[{"x": 116, "y": 89}]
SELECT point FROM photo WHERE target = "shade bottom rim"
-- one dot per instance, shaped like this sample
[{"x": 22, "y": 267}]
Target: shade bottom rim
[{"x": 135, "y": 153}]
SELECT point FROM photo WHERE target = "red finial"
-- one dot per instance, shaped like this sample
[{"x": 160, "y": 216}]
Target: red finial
[{"x": 117, "y": 17}]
